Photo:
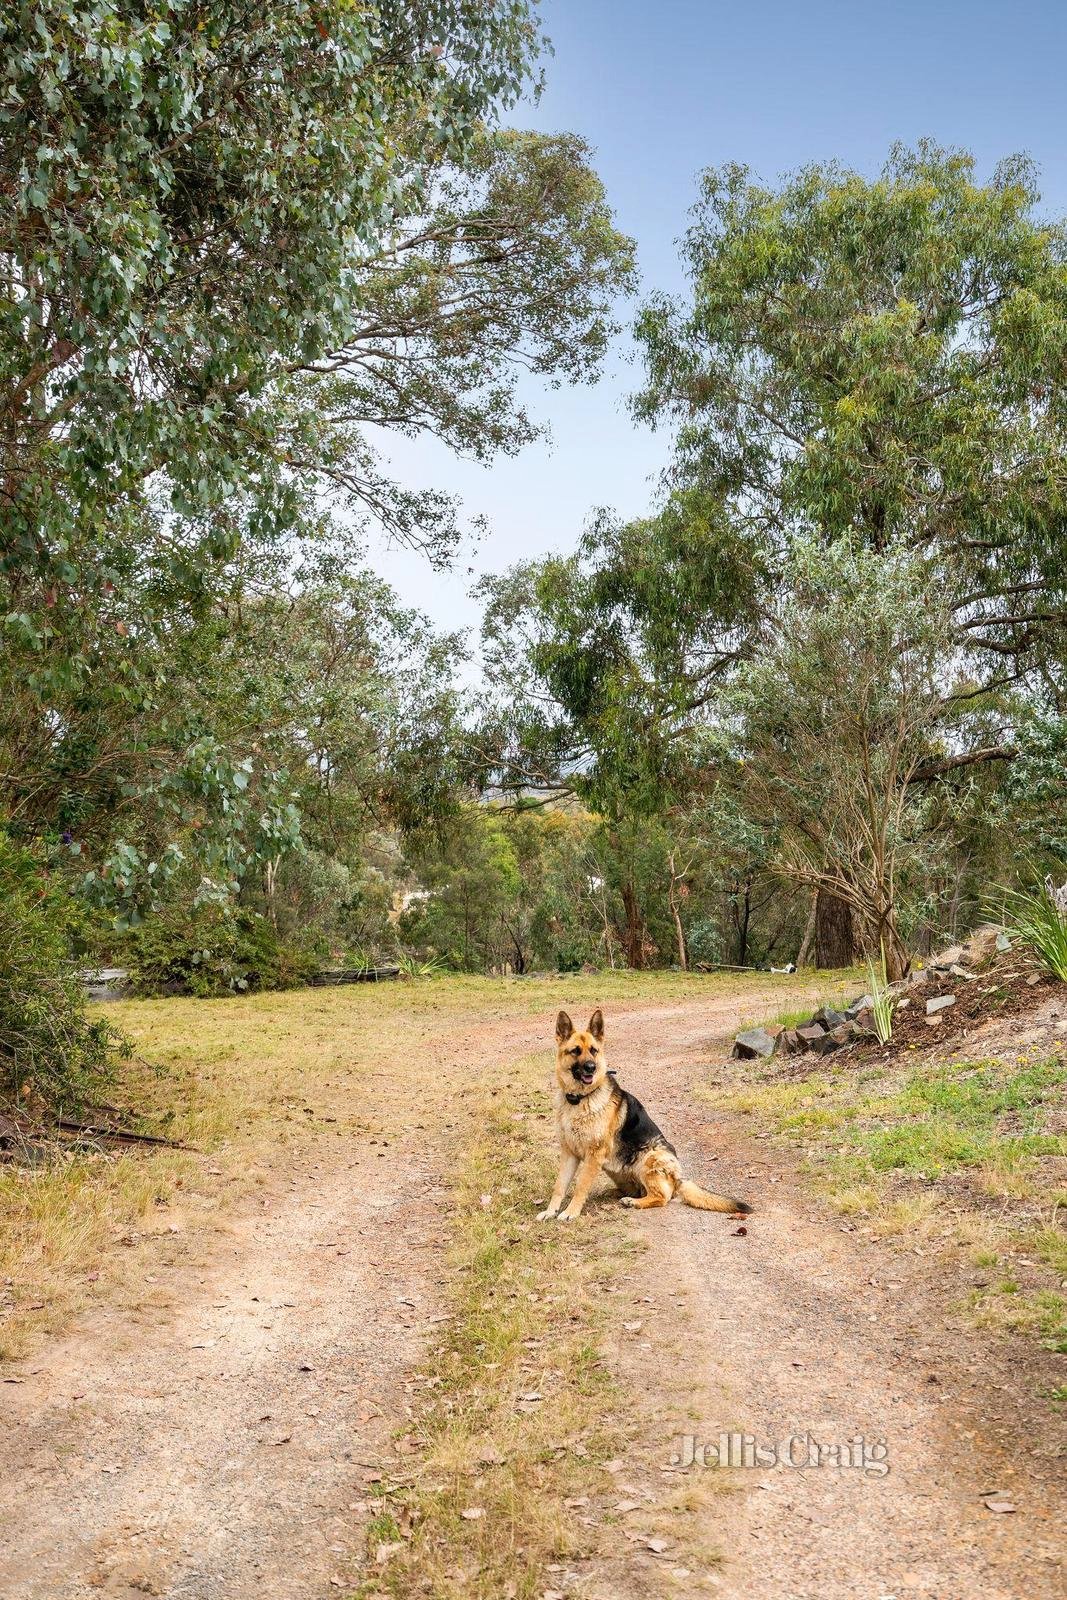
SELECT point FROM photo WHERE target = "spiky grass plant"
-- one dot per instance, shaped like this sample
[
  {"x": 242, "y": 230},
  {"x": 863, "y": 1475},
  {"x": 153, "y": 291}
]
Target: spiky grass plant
[
  {"x": 1033, "y": 916},
  {"x": 882, "y": 1001},
  {"x": 412, "y": 967}
]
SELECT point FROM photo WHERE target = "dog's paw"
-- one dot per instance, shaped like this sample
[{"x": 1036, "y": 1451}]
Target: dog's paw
[
  {"x": 546, "y": 1215},
  {"x": 568, "y": 1216},
  {"x": 628, "y": 1200}
]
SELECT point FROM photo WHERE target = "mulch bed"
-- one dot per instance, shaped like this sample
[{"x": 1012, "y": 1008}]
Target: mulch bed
[{"x": 1004, "y": 990}]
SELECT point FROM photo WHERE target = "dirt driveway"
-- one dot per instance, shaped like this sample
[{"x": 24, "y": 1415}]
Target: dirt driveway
[{"x": 222, "y": 1448}]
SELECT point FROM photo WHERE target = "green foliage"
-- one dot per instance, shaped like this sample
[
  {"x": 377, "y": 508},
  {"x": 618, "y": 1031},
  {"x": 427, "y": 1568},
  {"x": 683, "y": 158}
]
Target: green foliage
[
  {"x": 836, "y": 717},
  {"x": 856, "y": 587},
  {"x": 235, "y": 242},
  {"x": 877, "y": 359},
  {"x": 607, "y": 654},
  {"x": 704, "y": 940},
  {"x": 1036, "y": 783},
  {"x": 471, "y": 877},
  {"x": 212, "y": 952},
  {"x": 50, "y": 1050},
  {"x": 883, "y": 1002},
  {"x": 189, "y": 196},
  {"x": 412, "y": 967},
  {"x": 1036, "y": 920}
]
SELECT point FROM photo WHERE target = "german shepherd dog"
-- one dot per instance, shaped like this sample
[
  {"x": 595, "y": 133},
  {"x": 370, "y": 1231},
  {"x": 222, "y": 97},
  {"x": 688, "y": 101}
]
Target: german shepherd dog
[{"x": 603, "y": 1128}]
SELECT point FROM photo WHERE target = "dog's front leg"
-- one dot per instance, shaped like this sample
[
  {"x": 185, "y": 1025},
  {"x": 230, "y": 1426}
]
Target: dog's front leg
[
  {"x": 567, "y": 1168},
  {"x": 587, "y": 1173}
]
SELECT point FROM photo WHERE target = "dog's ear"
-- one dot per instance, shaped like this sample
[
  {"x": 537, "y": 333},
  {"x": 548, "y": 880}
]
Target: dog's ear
[
  {"x": 596, "y": 1024},
  {"x": 564, "y": 1027}
]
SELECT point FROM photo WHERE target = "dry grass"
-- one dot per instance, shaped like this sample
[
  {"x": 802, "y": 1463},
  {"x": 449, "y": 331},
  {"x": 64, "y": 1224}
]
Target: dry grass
[
  {"x": 58, "y": 1225},
  {"x": 1007, "y": 1308},
  {"x": 233, "y": 1078},
  {"x": 510, "y": 1492},
  {"x": 526, "y": 1320}
]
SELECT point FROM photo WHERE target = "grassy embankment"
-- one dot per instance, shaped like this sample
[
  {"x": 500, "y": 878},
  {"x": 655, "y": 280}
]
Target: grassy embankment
[{"x": 966, "y": 1154}]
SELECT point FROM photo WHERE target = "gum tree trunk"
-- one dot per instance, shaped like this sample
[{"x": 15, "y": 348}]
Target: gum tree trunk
[
  {"x": 835, "y": 944},
  {"x": 634, "y": 932}
]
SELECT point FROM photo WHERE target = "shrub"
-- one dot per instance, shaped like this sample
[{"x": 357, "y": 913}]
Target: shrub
[
  {"x": 414, "y": 967},
  {"x": 212, "y": 951},
  {"x": 50, "y": 1050},
  {"x": 704, "y": 941}
]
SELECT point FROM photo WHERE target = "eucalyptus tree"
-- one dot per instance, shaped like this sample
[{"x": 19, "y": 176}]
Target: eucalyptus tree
[
  {"x": 882, "y": 358},
  {"x": 238, "y": 243},
  {"x": 207, "y": 205},
  {"x": 860, "y": 363},
  {"x": 832, "y": 722},
  {"x": 607, "y": 663}
]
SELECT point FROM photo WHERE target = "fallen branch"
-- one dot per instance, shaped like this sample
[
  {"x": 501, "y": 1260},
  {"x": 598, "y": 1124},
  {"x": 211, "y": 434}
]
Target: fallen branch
[{"x": 124, "y": 1135}]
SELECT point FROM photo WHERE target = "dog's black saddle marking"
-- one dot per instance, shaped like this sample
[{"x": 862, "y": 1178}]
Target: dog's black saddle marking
[{"x": 638, "y": 1131}]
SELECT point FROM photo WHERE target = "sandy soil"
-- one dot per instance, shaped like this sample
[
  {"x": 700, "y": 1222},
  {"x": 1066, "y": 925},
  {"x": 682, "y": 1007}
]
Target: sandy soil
[
  {"x": 219, "y": 1447},
  {"x": 222, "y": 1447},
  {"x": 799, "y": 1327}
]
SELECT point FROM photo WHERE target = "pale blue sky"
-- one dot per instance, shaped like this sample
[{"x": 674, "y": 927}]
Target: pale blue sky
[{"x": 661, "y": 91}]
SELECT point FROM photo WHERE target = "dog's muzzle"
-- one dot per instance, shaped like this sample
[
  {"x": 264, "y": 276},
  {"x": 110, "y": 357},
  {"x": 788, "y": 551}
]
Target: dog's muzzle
[{"x": 584, "y": 1071}]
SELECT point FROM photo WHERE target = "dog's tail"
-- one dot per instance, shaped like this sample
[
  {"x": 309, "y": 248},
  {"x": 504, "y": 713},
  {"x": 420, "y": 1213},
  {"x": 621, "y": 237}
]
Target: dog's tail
[{"x": 704, "y": 1200}]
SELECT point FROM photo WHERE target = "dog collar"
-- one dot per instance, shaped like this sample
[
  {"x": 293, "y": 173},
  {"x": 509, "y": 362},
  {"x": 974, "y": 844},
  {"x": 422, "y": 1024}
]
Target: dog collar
[{"x": 576, "y": 1099}]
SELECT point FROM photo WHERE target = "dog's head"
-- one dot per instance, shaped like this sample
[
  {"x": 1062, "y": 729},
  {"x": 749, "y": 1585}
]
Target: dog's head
[{"x": 581, "y": 1061}]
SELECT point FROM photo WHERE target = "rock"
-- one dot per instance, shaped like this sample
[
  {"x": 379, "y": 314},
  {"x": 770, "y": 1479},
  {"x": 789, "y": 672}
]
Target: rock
[
  {"x": 833, "y": 1040},
  {"x": 828, "y": 1017},
  {"x": 961, "y": 972},
  {"x": 1003, "y": 942},
  {"x": 940, "y": 1002},
  {"x": 810, "y": 1034},
  {"x": 105, "y": 983},
  {"x": 753, "y": 1042},
  {"x": 787, "y": 1042},
  {"x": 918, "y": 979},
  {"x": 983, "y": 945},
  {"x": 1034, "y": 979},
  {"x": 947, "y": 958},
  {"x": 864, "y": 1003},
  {"x": 864, "y": 1021},
  {"x": 902, "y": 1005}
]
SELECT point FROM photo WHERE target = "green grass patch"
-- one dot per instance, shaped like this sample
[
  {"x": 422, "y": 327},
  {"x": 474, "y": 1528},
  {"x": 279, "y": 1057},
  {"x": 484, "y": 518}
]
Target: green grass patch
[
  {"x": 933, "y": 1120},
  {"x": 882, "y": 1144},
  {"x": 1008, "y": 1309},
  {"x": 792, "y": 1016}
]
